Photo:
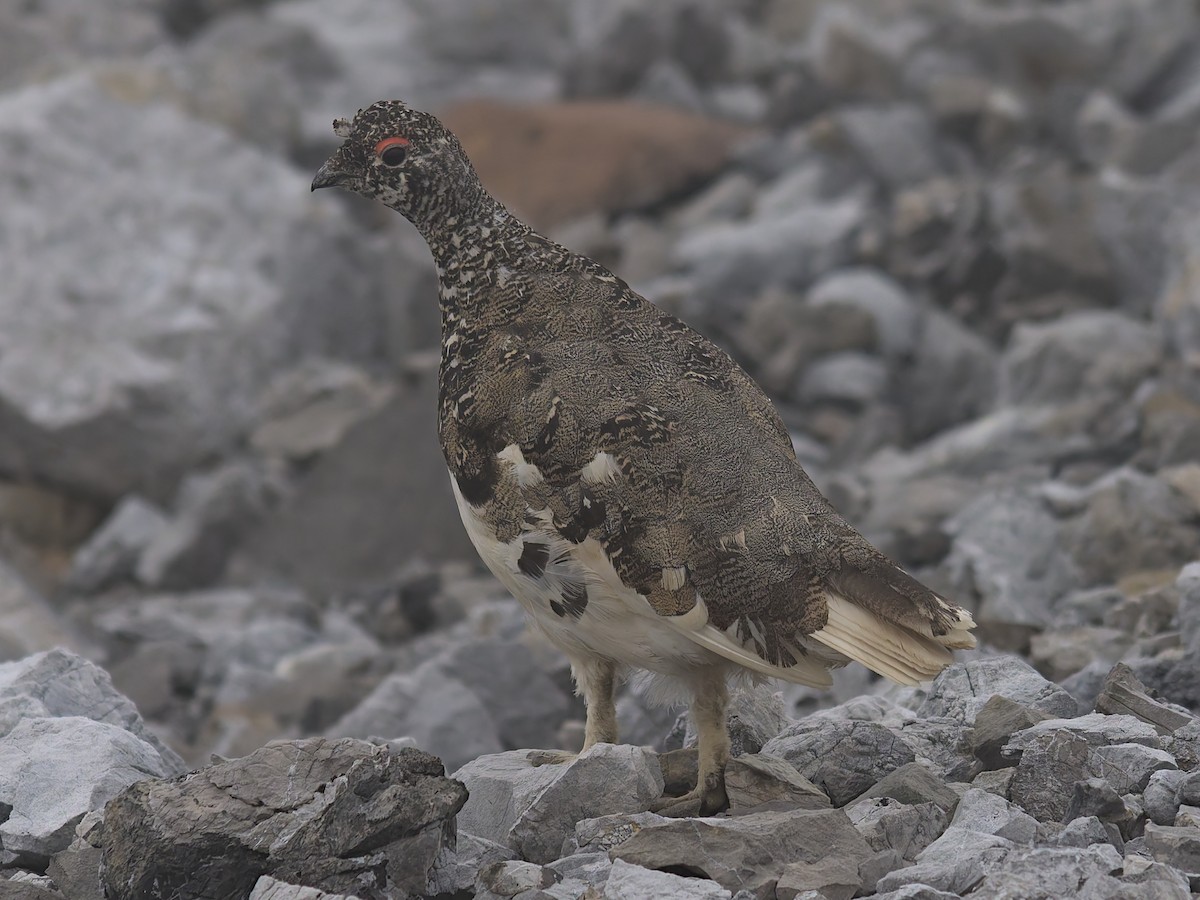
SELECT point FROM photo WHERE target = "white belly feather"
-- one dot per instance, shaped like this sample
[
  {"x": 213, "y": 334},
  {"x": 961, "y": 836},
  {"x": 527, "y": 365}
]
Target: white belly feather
[{"x": 617, "y": 622}]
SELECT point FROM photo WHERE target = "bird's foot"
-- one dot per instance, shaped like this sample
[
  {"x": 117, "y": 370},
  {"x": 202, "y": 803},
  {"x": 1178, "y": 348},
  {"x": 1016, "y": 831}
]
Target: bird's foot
[
  {"x": 550, "y": 757},
  {"x": 706, "y": 799}
]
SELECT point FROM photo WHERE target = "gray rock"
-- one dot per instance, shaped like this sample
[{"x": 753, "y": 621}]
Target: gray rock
[
  {"x": 896, "y": 143},
  {"x": 1080, "y": 353},
  {"x": 268, "y": 888},
  {"x": 1085, "y": 831},
  {"x": 28, "y": 623},
  {"x": 527, "y": 705},
  {"x": 963, "y": 689},
  {"x": 605, "y": 832},
  {"x": 917, "y": 892},
  {"x": 852, "y": 378},
  {"x": 955, "y": 862},
  {"x": 112, "y": 551},
  {"x": 1161, "y": 795},
  {"x": 906, "y": 828},
  {"x": 947, "y": 353},
  {"x": 987, "y": 813},
  {"x": 431, "y": 706},
  {"x": 755, "y": 778},
  {"x": 748, "y": 851},
  {"x": 851, "y": 53},
  {"x": 995, "y": 725},
  {"x": 351, "y": 489},
  {"x": 1132, "y": 521},
  {"x": 634, "y": 882},
  {"x": 456, "y": 868},
  {"x": 127, "y": 378},
  {"x": 1150, "y": 881},
  {"x": 342, "y": 816},
  {"x": 1096, "y": 798},
  {"x": 1044, "y": 781},
  {"x": 76, "y": 870},
  {"x": 843, "y": 758},
  {"x": 832, "y": 878},
  {"x": 913, "y": 783},
  {"x": 1177, "y": 847},
  {"x": 895, "y": 316},
  {"x": 1128, "y": 767},
  {"x": 1007, "y": 551},
  {"x": 534, "y": 808},
  {"x": 1098, "y": 729},
  {"x": 214, "y": 510},
  {"x": 1188, "y": 585},
  {"x": 59, "y": 683},
  {"x": 511, "y": 877},
  {"x": 53, "y": 771},
  {"x": 1047, "y": 872},
  {"x": 788, "y": 249}
]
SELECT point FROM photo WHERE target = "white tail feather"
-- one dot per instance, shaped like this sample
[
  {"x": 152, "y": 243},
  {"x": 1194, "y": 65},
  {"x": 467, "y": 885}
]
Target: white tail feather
[{"x": 894, "y": 652}]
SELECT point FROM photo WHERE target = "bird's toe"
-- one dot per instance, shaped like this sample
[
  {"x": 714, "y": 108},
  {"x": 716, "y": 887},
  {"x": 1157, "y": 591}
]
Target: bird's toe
[
  {"x": 705, "y": 799},
  {"x": 550, "y": 757}
]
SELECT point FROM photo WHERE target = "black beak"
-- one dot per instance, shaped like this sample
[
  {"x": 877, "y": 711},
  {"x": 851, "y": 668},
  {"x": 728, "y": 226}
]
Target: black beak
[{"x": 329, "y": 175}]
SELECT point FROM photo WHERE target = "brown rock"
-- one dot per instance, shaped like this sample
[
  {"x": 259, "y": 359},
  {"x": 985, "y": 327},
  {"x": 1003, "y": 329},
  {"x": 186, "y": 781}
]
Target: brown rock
[{"x": 556, "y": 161}]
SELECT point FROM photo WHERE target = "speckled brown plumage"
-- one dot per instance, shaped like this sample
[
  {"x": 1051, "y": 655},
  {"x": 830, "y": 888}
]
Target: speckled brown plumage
[{"x": 573, "y": 411}]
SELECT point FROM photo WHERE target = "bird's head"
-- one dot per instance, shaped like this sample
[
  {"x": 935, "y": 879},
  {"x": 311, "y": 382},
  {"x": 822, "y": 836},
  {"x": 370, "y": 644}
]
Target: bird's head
[{"x": 404, "y": 158}]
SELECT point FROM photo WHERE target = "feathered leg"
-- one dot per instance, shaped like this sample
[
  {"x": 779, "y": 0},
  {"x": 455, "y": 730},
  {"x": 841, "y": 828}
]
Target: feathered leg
[
  {"x": 595, "y": 679},
  {"x": 710, "y": 701}
]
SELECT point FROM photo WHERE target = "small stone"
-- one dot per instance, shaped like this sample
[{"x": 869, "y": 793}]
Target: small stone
[
  {"x": 1161, "y": 796},
  {"x": 510, "y": 877},
  {"x": 606, "y": 832},
  {"x": 1188, "y": 817},
  {"x": 996, "y": 782},
  {"x": 455, "y": 869},
  {"x": 757, "y": 778}
]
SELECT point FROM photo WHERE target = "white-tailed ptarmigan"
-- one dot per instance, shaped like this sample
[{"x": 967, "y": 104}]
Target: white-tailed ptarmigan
[{"x": 621, "y": 475}]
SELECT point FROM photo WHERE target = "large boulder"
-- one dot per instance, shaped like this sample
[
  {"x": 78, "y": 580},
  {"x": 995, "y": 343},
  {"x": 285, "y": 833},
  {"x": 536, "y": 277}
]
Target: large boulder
[
  {"x": 187, "y": 267},
  {"x": 341, "y": 816}
]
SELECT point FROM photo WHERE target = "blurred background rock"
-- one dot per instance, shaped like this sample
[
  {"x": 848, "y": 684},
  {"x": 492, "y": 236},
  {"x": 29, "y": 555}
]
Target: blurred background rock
[{"x": 958, "y": 242}]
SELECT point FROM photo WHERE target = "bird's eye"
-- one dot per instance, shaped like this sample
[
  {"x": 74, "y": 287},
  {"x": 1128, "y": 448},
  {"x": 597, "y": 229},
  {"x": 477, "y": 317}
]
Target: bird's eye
[{"x": 391, "y": 151}]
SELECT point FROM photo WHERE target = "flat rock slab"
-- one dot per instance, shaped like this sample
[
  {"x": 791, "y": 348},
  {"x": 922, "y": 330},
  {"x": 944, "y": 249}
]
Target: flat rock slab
[
  {"x": 533, "y": 809},
  {"x": 342, "y": 816},
  {"x": 749, "y": 851}
]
